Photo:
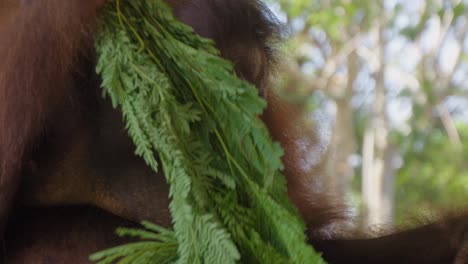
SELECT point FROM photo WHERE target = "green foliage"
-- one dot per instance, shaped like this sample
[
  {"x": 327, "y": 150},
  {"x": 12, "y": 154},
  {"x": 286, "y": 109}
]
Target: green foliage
[
  {"x": 452, "y": 10},
  {"x": 333, "y": 17},
  {"x": 159, "y": 246},
  {"x": 182, "y": 102},
  {"x": 459, "y": 10},
  {"x": 434, "y": 175}
]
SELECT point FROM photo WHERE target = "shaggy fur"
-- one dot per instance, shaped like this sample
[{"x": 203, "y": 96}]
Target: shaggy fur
[{"x": 38, "y": 50}]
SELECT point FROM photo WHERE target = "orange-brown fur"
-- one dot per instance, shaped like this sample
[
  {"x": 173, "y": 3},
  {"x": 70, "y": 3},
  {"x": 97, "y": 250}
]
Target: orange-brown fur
[{"x": 68, "y": 173}]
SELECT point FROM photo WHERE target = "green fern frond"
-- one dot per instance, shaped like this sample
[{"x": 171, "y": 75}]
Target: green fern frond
[{"x": 183, "y": 104}]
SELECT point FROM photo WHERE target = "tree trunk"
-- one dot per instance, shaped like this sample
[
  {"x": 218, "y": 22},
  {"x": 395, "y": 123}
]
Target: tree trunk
[
  {"x": 342, "y": 145},
  {"x": 377, "y": 178}
]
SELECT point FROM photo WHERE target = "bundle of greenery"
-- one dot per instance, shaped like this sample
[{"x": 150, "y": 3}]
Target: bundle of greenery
[{"x": 229, "y": 201}]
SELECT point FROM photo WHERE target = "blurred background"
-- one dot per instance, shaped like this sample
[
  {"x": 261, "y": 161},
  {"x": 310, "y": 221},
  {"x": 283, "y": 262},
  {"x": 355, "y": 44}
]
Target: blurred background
[{"x": 386, "y": 85}]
